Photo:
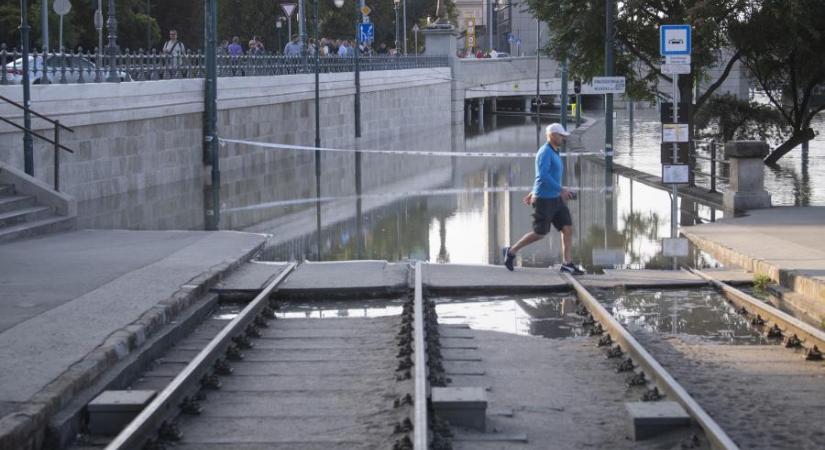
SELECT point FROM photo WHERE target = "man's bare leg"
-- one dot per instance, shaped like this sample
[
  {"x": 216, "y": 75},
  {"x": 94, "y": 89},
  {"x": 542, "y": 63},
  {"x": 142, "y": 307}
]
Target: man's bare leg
[
  {"x": 525, "y": 240},
  {"x": 567, "y": 244}
]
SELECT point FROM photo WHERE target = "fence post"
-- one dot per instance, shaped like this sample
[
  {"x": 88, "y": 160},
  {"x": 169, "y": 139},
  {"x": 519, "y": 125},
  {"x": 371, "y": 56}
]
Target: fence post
[
  {"x": 712, "y": 166},
  {"x": 57, "y": 155}
]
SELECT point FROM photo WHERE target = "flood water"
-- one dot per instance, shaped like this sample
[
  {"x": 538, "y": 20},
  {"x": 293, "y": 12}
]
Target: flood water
[
  {"x": 474, "y": 209},
  {"x": 690, "y": 313}
]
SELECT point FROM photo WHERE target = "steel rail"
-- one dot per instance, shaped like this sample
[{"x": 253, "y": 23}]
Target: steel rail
[
  {"x": 717, "y": 436},
  {"x": 421, "y": 424},
  {"x": 785, "y": 321},
  {"x": 149, "y": 420}
]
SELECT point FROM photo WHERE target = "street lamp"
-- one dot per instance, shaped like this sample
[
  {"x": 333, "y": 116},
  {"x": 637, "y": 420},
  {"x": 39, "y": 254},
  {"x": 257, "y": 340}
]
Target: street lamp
[
  {"x": 397, "y": 44},
  {"x": 111, "y": 24},
  {"x": 28, "y": 144},
  {"x": 278, "y": 25},
  {"x": 415, "y": 31}
]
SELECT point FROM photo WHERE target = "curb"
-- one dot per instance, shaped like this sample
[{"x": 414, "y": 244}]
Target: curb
[
  {"x": 26, "y": 427},
  {"x": 803, "y": 285}
]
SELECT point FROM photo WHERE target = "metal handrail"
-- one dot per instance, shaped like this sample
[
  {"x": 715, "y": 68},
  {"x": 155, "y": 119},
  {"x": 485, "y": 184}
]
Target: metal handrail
[
  {"x": 711, "y": 145},
  {"x": 56, "y": 142}
]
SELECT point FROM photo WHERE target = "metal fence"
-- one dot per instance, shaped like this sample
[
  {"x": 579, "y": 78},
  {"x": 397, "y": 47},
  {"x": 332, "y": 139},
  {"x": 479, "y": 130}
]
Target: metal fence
[
  {"x": 707, "y": 166},
  {"x": 83, "y": 67}
]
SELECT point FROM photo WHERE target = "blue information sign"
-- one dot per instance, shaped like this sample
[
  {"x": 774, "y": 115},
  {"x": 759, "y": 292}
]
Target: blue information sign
[
  {"x": 367, "y": 32},
  {"x": 674, "y": 40}
]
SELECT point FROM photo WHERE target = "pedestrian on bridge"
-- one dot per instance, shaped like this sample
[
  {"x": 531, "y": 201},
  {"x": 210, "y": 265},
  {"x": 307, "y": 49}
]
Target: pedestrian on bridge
[{"x": 549, "y": 201}]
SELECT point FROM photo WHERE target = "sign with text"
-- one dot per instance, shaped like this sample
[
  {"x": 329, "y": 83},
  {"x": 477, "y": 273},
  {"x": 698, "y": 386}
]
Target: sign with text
[
  {"x": 677, "y": 59},
  {"x": 677, "y": 247},
  {"x": 470, "y": 40},
  {"x": 674, "y": 40},
  {"x": 675, "y": 69},
  {"x": 675, "y": 173},
  {"x": 607, "y": 85},
  {"x": 675, "y": 132},
  {"x": 681, "y": 154}
]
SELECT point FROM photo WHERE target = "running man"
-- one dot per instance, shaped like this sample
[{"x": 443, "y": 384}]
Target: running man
[{"x": 549, "y": 201}]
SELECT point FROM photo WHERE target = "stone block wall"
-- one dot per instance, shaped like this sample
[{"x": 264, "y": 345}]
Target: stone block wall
[{"x": 138, "y": 161}]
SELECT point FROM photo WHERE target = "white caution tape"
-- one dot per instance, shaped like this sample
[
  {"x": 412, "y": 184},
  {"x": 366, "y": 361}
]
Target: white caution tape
[
  {"x": 399, "y": 152},
  {"x": 424, "y": 193}
]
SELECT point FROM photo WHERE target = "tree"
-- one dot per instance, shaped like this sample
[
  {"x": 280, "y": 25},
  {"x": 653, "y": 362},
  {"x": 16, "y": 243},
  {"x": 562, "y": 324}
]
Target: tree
[
  {"x": 578, "y": 35},
  {"x": 782, "y": 44},
  {"x": 729, "y": 118}
]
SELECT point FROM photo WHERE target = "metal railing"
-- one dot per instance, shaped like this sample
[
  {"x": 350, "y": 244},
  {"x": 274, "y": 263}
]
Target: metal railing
[
  {"x": 709, "y": 147},
  {"x": 82, "y": 67},
  {"x": 56, "y": 142}
]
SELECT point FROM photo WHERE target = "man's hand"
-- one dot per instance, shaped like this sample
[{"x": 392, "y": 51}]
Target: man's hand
[
  {"x": 566, "y": 194},
  {"x": 528, "y": 199}
]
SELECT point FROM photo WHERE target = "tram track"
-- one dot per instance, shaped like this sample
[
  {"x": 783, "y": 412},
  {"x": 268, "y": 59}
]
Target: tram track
[
  {"x": 297, "y": 383},
  {"x": 753, "y": 396}
]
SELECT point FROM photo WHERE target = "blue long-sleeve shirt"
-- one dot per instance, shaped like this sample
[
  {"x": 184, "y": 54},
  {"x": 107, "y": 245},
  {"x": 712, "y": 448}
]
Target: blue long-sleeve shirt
[{"x": 549, "y": 170}]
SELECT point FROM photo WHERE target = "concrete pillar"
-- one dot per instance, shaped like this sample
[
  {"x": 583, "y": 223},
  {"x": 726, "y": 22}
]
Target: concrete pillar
[
  {"x": 494, "y": 105},
  {"x": 747, "y": 177},
  {"x": 528, "y": 102}
]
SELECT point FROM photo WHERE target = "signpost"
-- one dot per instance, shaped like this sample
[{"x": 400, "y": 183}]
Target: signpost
[
  {"x": 288, "y": 9},
  {"x": 675, "y": 47},
  {"x": 606, "y": 85},
  {"x": 61, "y": 7}
]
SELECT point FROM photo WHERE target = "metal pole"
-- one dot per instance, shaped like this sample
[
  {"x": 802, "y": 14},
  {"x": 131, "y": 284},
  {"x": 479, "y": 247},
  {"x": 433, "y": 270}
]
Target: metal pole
[
  {"x": 675, "y": 156},
  {"x": 405, "y": 26},
  {"x": 490, "y": 24},
  {"x": 57, "y": 155},
  {"x": 397, "y": 43},
  {"x": 288, "y": 29},
  {"x": 357, "y": 74},
  {"x": 563, "y": 101},
  {"x": 712, "y": 166},
  {"x": 416, "y": 42},
  {"x": 211, "y": 113},
  {"x": 538, "y": 83},
  {"x": 44, "y": 24},
  {"x": 99, "y": 27},
  {"x": 112, "y": 49},
  {"x": 28, "y": 150},
  {"x": 317, "y": 134},
  {"x": 148, "y": 25},
  {"x": 608, "y": 71},
  {"x": 578, "y": 110}
]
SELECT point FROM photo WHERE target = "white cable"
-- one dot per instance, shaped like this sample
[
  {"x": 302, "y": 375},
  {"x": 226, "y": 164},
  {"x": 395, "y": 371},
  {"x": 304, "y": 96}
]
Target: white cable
[{"x": 399, "y": 152}]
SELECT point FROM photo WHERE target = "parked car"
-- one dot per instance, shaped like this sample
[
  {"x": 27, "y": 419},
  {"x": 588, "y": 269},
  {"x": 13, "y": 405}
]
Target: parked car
[
  {"x": 74, "y": 64},
  {"x": 502, "y": 55}
]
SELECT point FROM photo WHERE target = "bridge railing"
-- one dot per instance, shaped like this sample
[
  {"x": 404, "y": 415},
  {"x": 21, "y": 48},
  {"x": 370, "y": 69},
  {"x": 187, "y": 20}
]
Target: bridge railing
[{"x": 82, "y": 67}]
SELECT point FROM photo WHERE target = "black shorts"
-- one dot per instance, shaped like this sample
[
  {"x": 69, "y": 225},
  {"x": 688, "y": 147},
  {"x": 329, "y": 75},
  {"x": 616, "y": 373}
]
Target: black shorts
[{"x": 548, "y": 211}]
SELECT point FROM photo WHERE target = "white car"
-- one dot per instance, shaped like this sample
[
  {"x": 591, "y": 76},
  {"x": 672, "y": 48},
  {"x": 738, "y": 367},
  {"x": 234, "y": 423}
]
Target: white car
[{"x": 74, "y": 65}]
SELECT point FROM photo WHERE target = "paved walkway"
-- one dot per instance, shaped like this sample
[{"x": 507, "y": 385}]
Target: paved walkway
[
  {"x": 786, "y": 243},
  {"x": 74, "y": 304}
]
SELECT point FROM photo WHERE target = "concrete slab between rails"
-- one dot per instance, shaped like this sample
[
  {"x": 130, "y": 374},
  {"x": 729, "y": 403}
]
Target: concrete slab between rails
[
  {"x": 250, "y": 278},
  {"x": 347, "y": 278},
  {"x": 75, "y": 304},
  {"x": 784, "y": 243},
  {"x": 488, "y": 279},
  {"x": 629, "y": 278},
  {"x": 648, "y": 419}
]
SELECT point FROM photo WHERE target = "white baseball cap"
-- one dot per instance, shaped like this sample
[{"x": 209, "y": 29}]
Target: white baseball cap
[{"x": 556, "y": 128}]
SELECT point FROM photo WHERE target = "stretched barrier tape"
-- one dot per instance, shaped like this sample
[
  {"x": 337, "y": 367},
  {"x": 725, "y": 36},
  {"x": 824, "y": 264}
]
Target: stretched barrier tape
[
  {"x": 400, "y": 152},
  {"x": 301, "y": 201}
]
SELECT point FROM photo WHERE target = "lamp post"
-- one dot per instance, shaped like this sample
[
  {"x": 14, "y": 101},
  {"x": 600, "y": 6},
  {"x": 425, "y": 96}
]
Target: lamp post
[
  {"x": 405, "y": 26},
  {"x": 397, "y": 2},
  {"x": 111, "y": 24},
  {"x": 28, "y": 148},
  {"x": 415, "y": 31},
  {"x": 278, "y": 25}
]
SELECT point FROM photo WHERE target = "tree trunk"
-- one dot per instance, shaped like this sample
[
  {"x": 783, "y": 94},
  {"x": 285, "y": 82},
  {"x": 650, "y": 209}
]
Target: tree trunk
[{"x": 796, "y": 138}]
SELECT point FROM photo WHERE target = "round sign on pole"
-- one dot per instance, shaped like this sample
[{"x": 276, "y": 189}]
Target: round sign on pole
[{"x": 62, "y": 7}]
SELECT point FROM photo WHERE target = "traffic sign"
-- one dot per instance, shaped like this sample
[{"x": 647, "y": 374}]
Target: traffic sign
[
  {"x": 365, "y": 10},
  {"x": 608, "y": 85},
  {"x": 675, "y": 132},
  {"x": 675, "y": 69},
  {"x": 675, "y": 173},
  {"x": 62, "y": 7},
  {"x": 674, "y": 40},
  {"x": 367, "y": 32},
  {"x": 674, "y": 247},
  {"x": 289, "y": 8}
]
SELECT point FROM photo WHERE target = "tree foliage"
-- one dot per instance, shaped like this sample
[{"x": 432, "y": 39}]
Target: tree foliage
[
  {"x": 577, "y": 29},
  {"x": 729, "y": 118},
  {"x": 782, "y": 42}
]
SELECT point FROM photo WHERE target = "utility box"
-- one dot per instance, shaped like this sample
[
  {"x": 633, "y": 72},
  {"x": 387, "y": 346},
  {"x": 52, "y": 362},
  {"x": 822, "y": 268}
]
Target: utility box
[
  {"x": 111, "y": 411},
  {"x": 461, "y": 406}
]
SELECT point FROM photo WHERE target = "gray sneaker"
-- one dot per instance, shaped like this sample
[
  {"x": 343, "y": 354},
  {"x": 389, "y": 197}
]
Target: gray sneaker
[
  {"x": 571, "y": 268},
  {"x": 508, "y": 259}
]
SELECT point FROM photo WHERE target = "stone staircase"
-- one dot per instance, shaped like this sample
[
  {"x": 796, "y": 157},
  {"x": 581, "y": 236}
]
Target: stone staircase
[{"x": 21, "y": 216}]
